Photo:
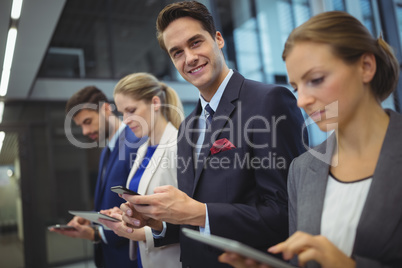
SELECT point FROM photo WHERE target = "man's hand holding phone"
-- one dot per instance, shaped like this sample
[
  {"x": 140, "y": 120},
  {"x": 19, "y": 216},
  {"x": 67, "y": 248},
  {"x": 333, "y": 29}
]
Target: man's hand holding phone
[
  {"x": 82, "y": 229},
  {"x": 123, "y": 190},
  {"x": 169, "y": 204}
]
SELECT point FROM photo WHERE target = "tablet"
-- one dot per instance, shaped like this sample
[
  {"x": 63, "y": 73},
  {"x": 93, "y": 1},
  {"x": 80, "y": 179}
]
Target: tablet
[
  {"x": 93, "y": 216},
  {"x": 63, "y": 227},
  {"x": 237, "y": 247}
]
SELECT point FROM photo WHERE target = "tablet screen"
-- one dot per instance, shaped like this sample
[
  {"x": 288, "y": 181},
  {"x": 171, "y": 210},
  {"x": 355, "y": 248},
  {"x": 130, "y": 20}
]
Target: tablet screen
[
  {"x": 93, "y": 216},
  {"x": 237, "y": 247}
]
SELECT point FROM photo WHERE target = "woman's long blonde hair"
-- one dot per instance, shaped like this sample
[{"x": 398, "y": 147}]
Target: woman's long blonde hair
[{"x": 144, "y": 86}]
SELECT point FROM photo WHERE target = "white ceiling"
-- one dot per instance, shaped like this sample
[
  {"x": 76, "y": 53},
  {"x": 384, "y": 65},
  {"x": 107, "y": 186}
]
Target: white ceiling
[
  {"x": 36, "y": 25},
  {"x": 35, "y": 29}
]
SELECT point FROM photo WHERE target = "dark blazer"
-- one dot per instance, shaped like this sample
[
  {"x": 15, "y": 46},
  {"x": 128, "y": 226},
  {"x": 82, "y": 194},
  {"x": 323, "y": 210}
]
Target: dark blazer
[
  {"x": 116, "y": 252},
  {"x": 378, "y": 240},
  {"x": 245, "y": 188}
]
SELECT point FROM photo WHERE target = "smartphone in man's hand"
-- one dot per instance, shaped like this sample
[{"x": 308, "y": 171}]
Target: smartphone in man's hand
[{"x": 123, "y": 190}]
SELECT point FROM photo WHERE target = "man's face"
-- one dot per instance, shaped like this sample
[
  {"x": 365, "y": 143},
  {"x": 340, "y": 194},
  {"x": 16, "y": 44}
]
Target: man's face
[
  {"x": 91, "y": 123},
  {"x": 195, "y": 54}
]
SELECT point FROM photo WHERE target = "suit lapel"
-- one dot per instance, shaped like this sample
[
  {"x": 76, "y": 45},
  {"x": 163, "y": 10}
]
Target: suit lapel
[
  {"x": 224, "y": 111},
  {"x": 219, "y": 121},
  {"x": 314, "y": 188},
  {"x": 185, "y": 148},
  {"x": 156, "y": 159},
  {"x": 383, "y": 203},
  {"x": 114, "y": 156},
  {"x": 312, "y": 207},
  {"x": 99, "y": 187},
  {"x": 109, "y": 165},
  {"x": 191, "y": 124}
]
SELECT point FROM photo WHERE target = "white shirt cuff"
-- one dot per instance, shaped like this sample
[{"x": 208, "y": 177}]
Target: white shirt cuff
[
  {"x": 102, "y": 234},
  {"x": 158, "y": 235},
  {"x": 206, "y": 230}
]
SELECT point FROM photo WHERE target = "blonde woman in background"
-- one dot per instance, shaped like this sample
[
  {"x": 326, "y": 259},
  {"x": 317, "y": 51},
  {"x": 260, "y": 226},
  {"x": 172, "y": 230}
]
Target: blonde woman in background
[{"x": 150, "y": 108}]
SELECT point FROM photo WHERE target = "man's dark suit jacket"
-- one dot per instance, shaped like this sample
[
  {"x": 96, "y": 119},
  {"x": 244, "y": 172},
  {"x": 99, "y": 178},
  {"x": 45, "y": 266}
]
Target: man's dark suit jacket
[
  {"x": 116, "y": 252},
  {"x": 245, "y": 188}
]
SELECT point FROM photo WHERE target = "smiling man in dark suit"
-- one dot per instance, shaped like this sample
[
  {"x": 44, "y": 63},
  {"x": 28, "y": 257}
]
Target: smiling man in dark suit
[{"x": 234, "y": 149}]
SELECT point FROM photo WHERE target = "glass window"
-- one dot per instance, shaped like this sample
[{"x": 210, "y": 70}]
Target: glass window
[
  {"x": 301, "y": 11},
  {"x": 255, "y": 32},
  {"x": 368, "y": 16},
  {"x": 399, "y": 18},
  {"x": 240, "y": 31},
  {"x": 339, "y": 5},
  {"x": 286, "y": 19}
]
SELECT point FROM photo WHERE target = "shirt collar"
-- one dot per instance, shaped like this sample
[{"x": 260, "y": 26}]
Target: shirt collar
[
  {"x": 112, "y": 142},
  {"x": 218, "y": 94}
]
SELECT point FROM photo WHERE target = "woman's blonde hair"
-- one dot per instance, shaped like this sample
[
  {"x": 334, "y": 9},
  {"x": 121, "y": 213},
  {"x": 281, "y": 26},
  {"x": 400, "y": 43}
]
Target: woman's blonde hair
[
  {"x": 349, "y": 40},
  {"x": 144, "y": 86}
]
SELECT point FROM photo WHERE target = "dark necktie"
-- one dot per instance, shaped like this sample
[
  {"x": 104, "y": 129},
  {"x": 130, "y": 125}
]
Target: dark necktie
[{"x": 209, "y": 113}]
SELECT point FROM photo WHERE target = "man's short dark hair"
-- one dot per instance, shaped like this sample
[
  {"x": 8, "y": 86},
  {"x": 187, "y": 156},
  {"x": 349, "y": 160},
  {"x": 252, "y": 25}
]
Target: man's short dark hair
[
  {"x": 175, "y": 11},
  {"x": 87, "y": 95}
]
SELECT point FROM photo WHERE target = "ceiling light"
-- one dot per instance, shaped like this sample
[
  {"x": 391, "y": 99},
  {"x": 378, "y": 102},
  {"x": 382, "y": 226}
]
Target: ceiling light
[
  {"x": 2, "y": 136},
  {"x": 1, "y": 111},
  {"x": 8, "y": 59},
  {"x": 10, "y": 172},
  {"x": 16, "y": 9}
]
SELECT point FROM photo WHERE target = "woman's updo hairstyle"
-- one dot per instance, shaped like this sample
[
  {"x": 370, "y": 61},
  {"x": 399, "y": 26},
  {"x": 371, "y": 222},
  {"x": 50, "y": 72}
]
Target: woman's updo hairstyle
[
  {"x": 349, "y": 40},
  {"x": 144, "y": 86}
]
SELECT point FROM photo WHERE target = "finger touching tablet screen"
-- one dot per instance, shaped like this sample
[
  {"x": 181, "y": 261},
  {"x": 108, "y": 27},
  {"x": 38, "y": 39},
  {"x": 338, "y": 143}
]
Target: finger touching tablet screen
[{"x": 237, "y": 247}]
